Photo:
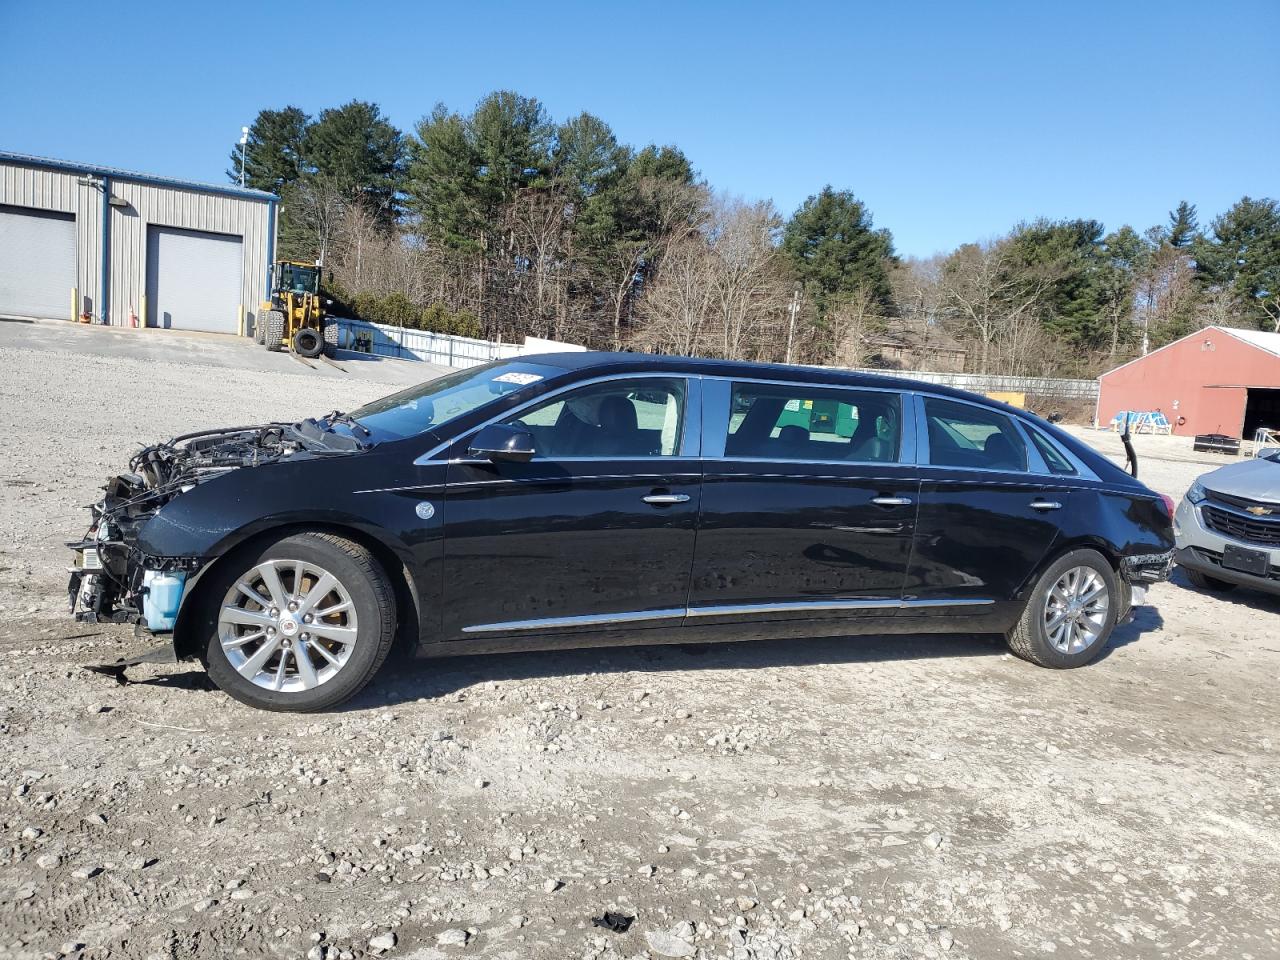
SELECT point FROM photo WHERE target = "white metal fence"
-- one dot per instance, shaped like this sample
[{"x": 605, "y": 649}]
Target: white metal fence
[
  {"x": 382, "y": 340},
  {"x": 1083, "y": 390}
]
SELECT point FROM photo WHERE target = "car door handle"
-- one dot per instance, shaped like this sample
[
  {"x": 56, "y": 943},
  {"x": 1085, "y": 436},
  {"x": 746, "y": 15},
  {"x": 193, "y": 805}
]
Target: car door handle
[
  {"x": 663, "y": 499},
  {"x": 892, "y": 501},
  {"x": 1045, "y": 505}
]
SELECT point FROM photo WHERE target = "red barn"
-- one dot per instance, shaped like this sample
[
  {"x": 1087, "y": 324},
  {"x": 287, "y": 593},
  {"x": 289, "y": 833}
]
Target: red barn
[{"x": 1216, "y": 380}]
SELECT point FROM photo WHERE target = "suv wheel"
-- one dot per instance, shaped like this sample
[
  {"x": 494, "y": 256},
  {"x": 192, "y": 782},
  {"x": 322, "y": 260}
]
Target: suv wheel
[
  {"x": 301, "y": 624},
  {"x": 1206, "y": 582},
  {"x": 1071, "y": 613}
]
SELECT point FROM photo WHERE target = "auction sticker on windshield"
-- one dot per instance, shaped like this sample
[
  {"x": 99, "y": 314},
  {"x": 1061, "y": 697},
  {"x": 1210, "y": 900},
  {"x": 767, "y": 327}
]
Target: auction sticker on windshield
[{"x": 524, "y": 379}]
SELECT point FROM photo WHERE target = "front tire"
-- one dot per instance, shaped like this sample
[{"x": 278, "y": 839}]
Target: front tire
[
  {"x": 1205, "y": 582},
  {"x": 274, "y": 336},
  {"x": 1070, "y": 614},
  {"x": 302, "y": 624}
]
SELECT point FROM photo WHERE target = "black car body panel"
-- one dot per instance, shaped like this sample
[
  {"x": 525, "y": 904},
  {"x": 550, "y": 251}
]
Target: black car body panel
[{"x": 692, "y": 545}]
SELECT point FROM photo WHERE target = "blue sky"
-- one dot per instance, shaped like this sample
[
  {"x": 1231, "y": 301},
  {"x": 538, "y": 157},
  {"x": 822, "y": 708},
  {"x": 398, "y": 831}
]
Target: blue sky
[{"x": 952, "y": 121}]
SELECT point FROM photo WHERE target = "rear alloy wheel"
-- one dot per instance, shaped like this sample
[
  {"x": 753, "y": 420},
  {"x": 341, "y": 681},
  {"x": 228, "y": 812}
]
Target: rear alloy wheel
[
  {"x": 274, "y": 331},
  {"x": 300, "y": 625},
  {"x": 1205, "y": 582},
  {"x": 1070, "y": 614},
  {"x": 307, "y": 342}
]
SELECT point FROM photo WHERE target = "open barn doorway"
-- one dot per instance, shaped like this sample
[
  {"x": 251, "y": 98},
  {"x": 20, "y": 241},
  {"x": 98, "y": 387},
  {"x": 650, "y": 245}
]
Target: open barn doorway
[{"x": 1261, "y": 410}]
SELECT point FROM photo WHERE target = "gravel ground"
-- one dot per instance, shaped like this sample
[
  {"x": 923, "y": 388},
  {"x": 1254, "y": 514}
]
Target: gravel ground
[{"x": 886, "y": 798}]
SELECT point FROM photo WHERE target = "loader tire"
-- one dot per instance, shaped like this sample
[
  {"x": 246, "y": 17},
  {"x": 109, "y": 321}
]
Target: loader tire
[
  {"x": 331, "y": 331},
  {"x": 274, "y": 331},
  {"x": 307, "y": 342},
  {"x": 260, "y": 329}
]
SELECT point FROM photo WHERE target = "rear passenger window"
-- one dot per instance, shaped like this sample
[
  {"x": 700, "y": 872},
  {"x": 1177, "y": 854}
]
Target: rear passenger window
[
  {"x": 802, "y": 423},
  {"x": 1053, "y": 457},
  {"x": 963, "y": 435}
]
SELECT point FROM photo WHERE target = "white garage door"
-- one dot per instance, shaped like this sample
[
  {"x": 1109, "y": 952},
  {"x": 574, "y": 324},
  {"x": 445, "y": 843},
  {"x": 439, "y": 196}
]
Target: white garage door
[
  {"x": 193, "y": 280},
  {"x": 37, "y": 262}
]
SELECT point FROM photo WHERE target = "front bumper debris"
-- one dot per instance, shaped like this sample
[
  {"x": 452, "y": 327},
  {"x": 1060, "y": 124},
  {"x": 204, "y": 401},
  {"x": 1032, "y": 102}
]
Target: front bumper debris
[{"x": 165, "y": 653}]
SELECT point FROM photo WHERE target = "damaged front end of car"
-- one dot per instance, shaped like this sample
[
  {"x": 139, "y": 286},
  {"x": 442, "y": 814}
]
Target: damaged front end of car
[{"x": 113, "y": 580}]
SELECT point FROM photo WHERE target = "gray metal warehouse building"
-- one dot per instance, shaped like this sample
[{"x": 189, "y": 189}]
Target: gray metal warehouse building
[{"x": 79, "y": 239}]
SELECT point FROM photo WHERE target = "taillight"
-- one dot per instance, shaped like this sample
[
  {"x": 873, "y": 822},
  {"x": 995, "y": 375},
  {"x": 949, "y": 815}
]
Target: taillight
[{"x": 1169, "y": 505}]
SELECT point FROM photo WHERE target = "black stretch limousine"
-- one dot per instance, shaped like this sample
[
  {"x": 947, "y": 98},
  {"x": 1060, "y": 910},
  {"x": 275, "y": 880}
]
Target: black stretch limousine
[{"x": 594, "y": 498}]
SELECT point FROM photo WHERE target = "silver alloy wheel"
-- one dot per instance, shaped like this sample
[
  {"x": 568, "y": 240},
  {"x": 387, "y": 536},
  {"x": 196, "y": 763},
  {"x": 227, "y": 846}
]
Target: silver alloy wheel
[
  {"x": 1075, "y": 610},
  {"x": 287, "y": 625}
]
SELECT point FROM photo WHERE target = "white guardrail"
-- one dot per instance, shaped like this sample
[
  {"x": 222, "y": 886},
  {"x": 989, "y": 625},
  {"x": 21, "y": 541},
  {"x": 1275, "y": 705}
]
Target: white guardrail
[{"x": 383, "y": 340}]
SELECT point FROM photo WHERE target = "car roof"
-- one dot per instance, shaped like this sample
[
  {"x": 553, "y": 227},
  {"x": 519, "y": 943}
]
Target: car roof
[{"x": 605, "y": 362}]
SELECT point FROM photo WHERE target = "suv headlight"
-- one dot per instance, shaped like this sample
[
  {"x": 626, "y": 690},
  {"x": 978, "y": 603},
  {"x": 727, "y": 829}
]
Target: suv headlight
[{"x": 1196, "y": 494}]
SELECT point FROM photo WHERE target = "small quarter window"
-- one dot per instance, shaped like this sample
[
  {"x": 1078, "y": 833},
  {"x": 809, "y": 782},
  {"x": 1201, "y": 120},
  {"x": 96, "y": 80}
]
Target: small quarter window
[
  {"x": 776, "y": 422},
  {"x": 964, "y": 435},
  {"x": 1053, "y": 457}
]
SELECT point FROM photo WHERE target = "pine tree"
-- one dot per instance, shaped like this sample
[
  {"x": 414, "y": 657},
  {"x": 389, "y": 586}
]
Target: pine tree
[
  {"x": 834, "y": 249},
  {"x": 1183, "y": 228},
  {"x": 357, "y": 150},
  {"x": 1243, "y": 254},
  {"x": 274, "y": 155}
]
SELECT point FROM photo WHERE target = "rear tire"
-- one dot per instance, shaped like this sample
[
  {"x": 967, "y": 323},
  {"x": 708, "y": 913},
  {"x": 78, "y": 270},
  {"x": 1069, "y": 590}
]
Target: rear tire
[
  {"x": 259, "y": 646},
  {"x": 1070, "y": 614},
  {"x": 330, "y": 339},
  {"x": 260, "y": 329},
  {"x": 1205, "y": 582},
  {"x": 307, "y": 342},
  {"x": 274, "y": 331}
]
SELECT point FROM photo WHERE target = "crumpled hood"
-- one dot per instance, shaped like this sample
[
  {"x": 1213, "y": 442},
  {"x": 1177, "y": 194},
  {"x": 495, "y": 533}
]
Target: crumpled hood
[{"x": 1253, "y": 479}]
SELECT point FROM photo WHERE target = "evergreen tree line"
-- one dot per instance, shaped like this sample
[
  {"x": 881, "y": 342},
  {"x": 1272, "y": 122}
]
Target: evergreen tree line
[{"x": 502, "y": 223}]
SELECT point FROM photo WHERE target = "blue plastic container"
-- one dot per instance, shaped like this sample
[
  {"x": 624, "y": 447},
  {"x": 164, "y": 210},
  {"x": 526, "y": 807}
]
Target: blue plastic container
[{"x": 161, "y": 595}]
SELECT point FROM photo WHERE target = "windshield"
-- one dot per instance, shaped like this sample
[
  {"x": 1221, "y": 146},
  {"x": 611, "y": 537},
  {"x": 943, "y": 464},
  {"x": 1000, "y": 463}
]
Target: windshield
[
  {"x": 430, "y": 404},
  {"x": 298, "y": 279}
]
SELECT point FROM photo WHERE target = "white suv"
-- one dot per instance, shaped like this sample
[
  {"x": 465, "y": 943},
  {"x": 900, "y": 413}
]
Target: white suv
[{"x": 1228, "y": 527}]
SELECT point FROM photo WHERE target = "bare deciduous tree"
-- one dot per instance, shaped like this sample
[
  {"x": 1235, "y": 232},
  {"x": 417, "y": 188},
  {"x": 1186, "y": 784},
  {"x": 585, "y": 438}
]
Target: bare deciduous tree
[
  {"x": 678, "y": 305},
  {"x": 993, "y": 298},
  {"x": 849, "y": 327},
  {"x": 749, "y": 293}
]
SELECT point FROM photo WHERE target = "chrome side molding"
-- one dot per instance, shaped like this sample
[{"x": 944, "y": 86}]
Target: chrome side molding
[
  {"x": 721, "y": 610},
  {"x": 794, "y": 606},
  {"x": 588, "y": 620}
]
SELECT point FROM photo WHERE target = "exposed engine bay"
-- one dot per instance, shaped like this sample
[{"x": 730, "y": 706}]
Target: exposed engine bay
[{"x": 112, "y": 578}]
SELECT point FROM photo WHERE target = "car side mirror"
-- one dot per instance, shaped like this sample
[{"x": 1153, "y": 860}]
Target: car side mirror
[{"x": 500, "y": 442}]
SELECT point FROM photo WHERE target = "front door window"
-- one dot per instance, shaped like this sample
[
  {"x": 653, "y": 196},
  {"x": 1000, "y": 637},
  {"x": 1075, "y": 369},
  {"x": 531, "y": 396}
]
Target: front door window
[{"x": 622, "y": 418}]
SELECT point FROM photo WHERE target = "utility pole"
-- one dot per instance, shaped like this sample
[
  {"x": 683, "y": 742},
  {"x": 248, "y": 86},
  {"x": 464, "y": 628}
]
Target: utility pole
[
  {"x": 792, "y": 311},
  {"x": 244, "y": 139}
]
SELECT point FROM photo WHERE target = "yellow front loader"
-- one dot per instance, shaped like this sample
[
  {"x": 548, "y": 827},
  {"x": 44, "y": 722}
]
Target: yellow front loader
[{"x": 294, "y": 318}]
